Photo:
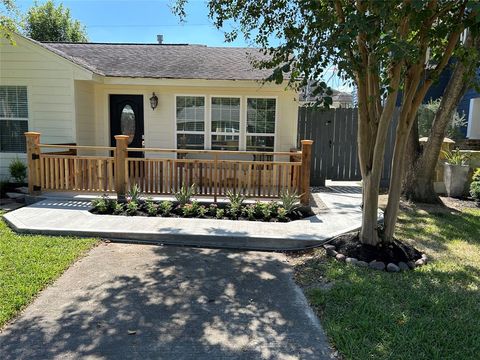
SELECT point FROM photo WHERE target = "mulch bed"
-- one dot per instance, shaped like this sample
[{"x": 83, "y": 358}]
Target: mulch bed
[
  {"x": 394, "y": 257},
  {"x": 350, "y": 246}
]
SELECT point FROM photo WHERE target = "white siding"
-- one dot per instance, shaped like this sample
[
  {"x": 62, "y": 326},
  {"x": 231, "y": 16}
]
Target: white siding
[
  {"x": 85, "y": 112},
  {"x": 49, "y": 81}
]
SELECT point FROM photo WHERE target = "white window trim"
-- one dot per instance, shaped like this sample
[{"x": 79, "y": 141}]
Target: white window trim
[
  {"x": 274, "y": 134},
  {"x": 205, "y": 130},
  {"x": 241, "y": 137},
  {"x": 27, "y": 119},
  {"x": 242, "y": 134}
]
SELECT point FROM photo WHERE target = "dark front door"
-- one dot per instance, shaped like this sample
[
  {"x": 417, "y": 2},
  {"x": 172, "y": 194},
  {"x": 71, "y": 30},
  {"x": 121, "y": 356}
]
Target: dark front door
[{"x": 126, "y": 118}]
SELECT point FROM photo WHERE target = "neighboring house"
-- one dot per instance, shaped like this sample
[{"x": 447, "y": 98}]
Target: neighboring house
[
  {"x": 469, "y": 105},
  {"x": 340, "y": 99},
  {"x": 85, "y": 93}
]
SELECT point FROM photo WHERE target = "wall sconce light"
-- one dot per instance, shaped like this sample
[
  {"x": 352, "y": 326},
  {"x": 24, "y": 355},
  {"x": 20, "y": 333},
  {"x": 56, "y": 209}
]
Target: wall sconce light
[{"x": 154, "y": 101}]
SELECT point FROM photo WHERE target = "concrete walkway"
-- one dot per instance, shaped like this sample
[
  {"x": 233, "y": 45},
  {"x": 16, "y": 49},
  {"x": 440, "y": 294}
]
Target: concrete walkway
[
  {"x": 127, "y": 301},
  {"x": 56, "y": 216}
]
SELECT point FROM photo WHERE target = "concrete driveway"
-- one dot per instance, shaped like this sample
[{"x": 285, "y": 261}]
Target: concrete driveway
[{"x": 153, "y": 302}]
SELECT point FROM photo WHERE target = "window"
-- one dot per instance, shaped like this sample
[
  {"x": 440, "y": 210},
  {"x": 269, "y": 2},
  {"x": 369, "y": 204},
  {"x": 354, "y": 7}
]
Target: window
[
  {"x": 225, "y": 123},
  {"x": 13, "y": 118},
  {"x": 190, "y": 122},
  {"x": 261, "y": 115}
]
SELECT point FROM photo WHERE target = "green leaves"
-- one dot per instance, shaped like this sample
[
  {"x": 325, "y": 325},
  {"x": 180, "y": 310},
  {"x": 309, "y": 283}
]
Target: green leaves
[{"x": 46, "y": 22}]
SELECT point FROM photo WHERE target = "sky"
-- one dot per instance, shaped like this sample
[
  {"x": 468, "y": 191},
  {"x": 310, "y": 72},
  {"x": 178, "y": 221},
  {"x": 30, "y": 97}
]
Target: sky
[{"x": 140, "y": 21}]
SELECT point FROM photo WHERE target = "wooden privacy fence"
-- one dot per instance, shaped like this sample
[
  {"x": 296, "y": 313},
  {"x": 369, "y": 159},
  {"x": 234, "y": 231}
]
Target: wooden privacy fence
[
  {"x": 334, "y": 153},
  {"x": 214, "y": 173}
]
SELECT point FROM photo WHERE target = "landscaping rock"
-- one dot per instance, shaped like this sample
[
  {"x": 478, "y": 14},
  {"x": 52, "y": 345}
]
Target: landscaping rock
[
  {"x": 329, "y": 246},
  {"x": 403, "y": 266},
  {"x": 350, "y": 260},
  {"x": 377, "y": 265},
  {"x": 411, "y": 264},
  {"x": 419, "y": 262},
  {"x": 362, "y": 263},
  {"x": 340, "y": 257},
  {"x": 391, "y": 267},
  {"x": 424, "y": 258},
  {"x": 331, "y": 252}
]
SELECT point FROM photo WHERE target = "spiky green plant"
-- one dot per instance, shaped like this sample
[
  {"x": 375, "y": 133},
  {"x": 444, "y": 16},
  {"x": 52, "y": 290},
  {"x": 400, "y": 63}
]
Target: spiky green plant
[
  {"x": 185, "y": 193},
  {"x": 290, "y": 200},
  {"x": 456, "y": 157}
]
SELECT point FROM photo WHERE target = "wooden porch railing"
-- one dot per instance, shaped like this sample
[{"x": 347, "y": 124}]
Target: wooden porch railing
[{"x": 163, "y": 172}]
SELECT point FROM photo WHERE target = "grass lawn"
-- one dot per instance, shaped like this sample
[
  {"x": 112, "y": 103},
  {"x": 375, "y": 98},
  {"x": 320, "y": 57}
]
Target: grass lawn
[
  {"x": 28, "y": 263},
  {"x": 430, "y": 313}
]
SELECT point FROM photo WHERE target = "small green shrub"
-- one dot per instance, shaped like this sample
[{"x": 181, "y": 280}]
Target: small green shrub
[
  {"x": 18, "y": 170},
  {"x": 259, "y": 206},
  {"x": 456, "y": 157},
  {"x": 290, "y": 200},
  {"x": 249, "y": 212},
  {"x": 104, "y": 204},
  {"x": 191, "y": 209},
  {"x": 475, "y": 190},
  {"x": 185, "y": 193},
  {"x": 212, "y": 209},
  {"x": 266, "y": 212},
  {"x": 475, "y": 186},
  {"x": 282, "y": 214},
  {"x": 134, "y": 193},
  {"x": 202, "y": 211},
  {"x": 119, "y": 209},
  {"x": 151, "y": 207},
  {"x": 165, "y": 208},
  {"x": 273, "y": 206},
  {"x": 476, "y": 175},
  {"x": 220, "y": 213},
  {"x": 132, "y": 208},
  {"x": 234, "y": 210}
]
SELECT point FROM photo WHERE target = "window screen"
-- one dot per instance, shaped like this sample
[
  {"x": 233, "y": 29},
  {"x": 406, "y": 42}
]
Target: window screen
[{"x": 13, "y": 118}]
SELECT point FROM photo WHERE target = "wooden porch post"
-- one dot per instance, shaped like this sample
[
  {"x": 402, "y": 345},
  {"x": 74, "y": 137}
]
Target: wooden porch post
[
  {"x": 121, "y": 142},
  {"x": 33, "y": 161},
  {"x": 305, "y": 178}
]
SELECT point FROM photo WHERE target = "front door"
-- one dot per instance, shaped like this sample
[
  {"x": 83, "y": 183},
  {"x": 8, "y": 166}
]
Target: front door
[{"x": 126, "y": 118}]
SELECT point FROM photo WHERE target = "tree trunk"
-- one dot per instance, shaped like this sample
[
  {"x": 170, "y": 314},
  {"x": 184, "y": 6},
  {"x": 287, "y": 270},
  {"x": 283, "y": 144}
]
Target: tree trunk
[{"x": 419, "y": 180}]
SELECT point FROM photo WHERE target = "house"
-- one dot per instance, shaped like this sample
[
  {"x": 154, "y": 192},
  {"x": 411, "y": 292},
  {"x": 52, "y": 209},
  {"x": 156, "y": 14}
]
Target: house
[
  {"x": 169, "y": 96},
  {"x": 340, "y": 99},
  {"x": 469, "y": 105}
]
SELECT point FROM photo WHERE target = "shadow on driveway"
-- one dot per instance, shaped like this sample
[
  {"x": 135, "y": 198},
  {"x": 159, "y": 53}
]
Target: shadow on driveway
[{"x": 151, "y": 302}]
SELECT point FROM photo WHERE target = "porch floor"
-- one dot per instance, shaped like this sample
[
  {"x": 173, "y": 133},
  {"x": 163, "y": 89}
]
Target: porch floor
[{"x": 70, "y": 216}]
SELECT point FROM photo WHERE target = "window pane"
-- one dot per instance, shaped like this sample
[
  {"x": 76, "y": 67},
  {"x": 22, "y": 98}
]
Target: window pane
[
  {"x": 13, "y": 102},
  {"x": 13, "y": 105},
  {"x": 225, "y": 115},
  {"x": 260, "y": 143},
  {"x": 190, "y": 141},
  {"x": 190, "y": 113},
  {"x": 12, "y": 138},
  {"x": 261, "y": 116},
  {"x": 224, "y": 142}
]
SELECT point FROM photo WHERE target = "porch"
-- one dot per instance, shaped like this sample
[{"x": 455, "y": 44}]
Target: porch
[{"x": 103, "y": 169}]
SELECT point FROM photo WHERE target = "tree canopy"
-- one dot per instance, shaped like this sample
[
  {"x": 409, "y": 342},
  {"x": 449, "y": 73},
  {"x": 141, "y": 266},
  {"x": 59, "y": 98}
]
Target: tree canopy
[
  {"x": 7, "y": 23},
  {"x": 48, "y": 22},
  {"x": 383, "y": 47}
]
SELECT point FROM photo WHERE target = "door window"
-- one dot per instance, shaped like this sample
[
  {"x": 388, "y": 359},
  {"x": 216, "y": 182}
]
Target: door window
[{"x": 127, "y": 123}]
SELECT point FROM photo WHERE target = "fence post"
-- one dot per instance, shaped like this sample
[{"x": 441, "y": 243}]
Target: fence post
[
  {"x": 121, "y": 143},
  {"x": 33, "y": 161},
  {"x": 305, "y": 178}
]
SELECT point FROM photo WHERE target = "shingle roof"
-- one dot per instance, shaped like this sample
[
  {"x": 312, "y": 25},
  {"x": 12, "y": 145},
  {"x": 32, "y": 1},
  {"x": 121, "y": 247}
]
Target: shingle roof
[{"x": 163, "y": 60}]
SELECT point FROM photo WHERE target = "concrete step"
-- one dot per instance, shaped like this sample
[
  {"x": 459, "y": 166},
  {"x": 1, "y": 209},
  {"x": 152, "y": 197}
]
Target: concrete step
[{"x": 16, "y": 196}]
